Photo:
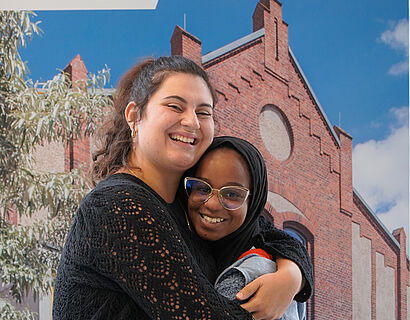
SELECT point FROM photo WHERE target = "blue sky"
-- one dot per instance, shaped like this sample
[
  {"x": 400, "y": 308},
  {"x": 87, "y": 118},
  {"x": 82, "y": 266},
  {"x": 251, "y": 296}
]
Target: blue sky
[
  {"x": 337, "y": 44},
  {"x": 354, "y": 54}
]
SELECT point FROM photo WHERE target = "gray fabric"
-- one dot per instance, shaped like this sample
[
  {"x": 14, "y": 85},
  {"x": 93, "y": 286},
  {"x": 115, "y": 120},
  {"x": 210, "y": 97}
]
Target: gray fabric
[
  {"x": 249, "y": 267},
  {"x": 244, "y": 271}
]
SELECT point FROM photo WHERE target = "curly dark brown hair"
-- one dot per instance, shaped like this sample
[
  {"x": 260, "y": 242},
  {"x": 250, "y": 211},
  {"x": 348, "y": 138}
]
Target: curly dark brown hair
[{"x": 138, "y": 84}]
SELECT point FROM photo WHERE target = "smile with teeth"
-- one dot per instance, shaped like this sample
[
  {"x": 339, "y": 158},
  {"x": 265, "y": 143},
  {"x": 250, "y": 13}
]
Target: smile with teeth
[
  {"x": 211, "y": 220},
  {"x": 177, "y": 137}
]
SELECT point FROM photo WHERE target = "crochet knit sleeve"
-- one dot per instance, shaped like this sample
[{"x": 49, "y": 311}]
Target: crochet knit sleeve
[
  {"x": 279, "y": 243},
  {"x": 130, "y": 238}
]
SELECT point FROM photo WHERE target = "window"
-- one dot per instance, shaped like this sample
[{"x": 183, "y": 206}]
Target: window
[
  {"x": 303, "y": 308},
  {"x": 296, "y": 235}
]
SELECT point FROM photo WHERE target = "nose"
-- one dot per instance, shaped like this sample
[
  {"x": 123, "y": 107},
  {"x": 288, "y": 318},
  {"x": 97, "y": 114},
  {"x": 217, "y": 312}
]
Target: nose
[
  {"x": 213, "y": 204},
  {"x": 190, "y": 120}
]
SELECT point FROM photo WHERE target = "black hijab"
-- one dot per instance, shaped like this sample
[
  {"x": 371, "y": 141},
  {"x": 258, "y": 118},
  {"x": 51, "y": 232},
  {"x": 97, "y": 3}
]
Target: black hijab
[{"x": 228, "y": 249}]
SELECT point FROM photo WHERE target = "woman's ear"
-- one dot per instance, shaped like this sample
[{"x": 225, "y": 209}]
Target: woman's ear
[{"x": 131, "y": 114}]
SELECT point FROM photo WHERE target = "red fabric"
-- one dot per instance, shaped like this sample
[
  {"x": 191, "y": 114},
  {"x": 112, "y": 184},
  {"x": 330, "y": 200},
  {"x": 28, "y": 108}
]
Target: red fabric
[{"x": 259, "y": 252}]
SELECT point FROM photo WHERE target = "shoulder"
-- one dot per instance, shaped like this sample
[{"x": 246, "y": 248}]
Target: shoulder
[
  {"x": 122, "y": 193},
  {"x": 123, "y": 185},
  {"x": 119, "y": 208}
]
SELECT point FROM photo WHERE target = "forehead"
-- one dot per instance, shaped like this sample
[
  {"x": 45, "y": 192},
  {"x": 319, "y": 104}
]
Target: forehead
[
  {"x": 224, "y": 165},
  {"x": 177, "y": 82}
]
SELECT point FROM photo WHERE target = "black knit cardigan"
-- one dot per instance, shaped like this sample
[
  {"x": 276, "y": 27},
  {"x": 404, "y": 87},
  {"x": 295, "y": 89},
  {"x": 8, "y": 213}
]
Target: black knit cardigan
[{"x": 128, "y": 257}]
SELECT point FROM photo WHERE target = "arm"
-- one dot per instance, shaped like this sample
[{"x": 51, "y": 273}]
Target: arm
[
  {"x": 274, "y": 292},
  {"x": 135, "y": 244},
  {"x": 281, "y": 245}
]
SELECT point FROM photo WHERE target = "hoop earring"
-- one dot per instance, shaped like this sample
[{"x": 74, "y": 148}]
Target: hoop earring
[{"x": 133, "y": 133}]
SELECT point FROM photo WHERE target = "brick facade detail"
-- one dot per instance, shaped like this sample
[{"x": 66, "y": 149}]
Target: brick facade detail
[
  {"x": 77, "y": 149},
  {"x": 185, "y": 44}
]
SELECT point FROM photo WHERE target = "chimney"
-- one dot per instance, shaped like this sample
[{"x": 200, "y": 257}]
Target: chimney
[
  {"x": 402, "y": 274},
  {"x": 77, "y": 149},
  {"x": 77, "y": 71},
  {"x": 187, "y": 45}
]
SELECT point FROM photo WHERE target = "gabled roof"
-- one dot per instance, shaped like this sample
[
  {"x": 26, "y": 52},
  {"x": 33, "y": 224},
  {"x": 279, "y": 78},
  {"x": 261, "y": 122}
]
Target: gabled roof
[
  {"x": 330, "y": 127},
  {"x": 376, "y": 218},
  {"x": 255, "y": 35},
  {"x": 233, "y": 45},
  {"x": 260, "y": 33}
]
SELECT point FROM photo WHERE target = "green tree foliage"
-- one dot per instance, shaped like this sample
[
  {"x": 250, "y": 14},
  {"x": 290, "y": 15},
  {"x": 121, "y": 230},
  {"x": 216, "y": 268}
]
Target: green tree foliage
[{"x": 32, "y": 114}]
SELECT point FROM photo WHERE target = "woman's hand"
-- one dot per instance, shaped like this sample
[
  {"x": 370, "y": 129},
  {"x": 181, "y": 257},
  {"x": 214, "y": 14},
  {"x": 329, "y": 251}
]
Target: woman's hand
[{"x": 273, "y": 292}]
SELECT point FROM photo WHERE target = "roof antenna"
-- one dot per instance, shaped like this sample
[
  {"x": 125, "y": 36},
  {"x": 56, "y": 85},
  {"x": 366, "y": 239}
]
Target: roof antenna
[
  {"x": 340, "y": 119},
  {"x": 184, "y": 21}
]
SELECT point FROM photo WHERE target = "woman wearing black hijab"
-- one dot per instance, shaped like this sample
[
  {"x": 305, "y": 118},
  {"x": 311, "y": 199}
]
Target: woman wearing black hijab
[{"x": 256, "y": 230}]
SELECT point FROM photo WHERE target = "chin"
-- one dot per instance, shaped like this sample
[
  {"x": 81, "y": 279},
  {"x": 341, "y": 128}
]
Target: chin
[
  {"x": 209, "y": 237},
  {"x": 203, "y": 235},
  {"x": 185, "y": 163}
]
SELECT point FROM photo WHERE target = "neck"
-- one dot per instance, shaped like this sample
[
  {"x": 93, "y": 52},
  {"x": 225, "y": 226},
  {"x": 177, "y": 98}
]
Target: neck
[{"x": 162, "y": 181}]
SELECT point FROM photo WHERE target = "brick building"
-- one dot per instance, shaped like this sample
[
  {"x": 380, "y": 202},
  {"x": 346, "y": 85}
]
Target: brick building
[{"x": 361, "y": 270}]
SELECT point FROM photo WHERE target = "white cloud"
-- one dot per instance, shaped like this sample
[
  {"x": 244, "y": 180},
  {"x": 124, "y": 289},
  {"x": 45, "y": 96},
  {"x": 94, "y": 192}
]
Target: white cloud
[
  {"x": 399, "y": 68},
  {"x": 375, "y": 124},
  {"x": 401, "y": 116},
  {"x": 397, "y": 37},
  {"x": 381, "y": 173}
]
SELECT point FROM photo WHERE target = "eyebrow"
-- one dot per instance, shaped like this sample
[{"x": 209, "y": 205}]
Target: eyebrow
[
  {"x": 184, "y": 101},
  {"x": 228, "y": 184}
]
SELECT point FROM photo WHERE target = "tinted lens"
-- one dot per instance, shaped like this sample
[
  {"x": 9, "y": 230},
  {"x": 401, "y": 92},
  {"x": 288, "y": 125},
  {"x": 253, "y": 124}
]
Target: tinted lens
[
  {"x": 233, "y": 198},
  {"x": 197, "y": 190}
]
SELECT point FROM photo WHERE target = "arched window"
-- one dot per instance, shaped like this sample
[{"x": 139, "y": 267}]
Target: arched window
[{"x": 296, "y": 235}]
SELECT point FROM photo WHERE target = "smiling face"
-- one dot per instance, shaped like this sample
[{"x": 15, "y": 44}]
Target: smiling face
[
  {"x": 177, "y": 125},
  {"x": 220, "y": 167}
]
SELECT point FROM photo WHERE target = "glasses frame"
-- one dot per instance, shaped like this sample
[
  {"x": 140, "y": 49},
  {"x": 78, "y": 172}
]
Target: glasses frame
[{"x": 220, "y": 197}]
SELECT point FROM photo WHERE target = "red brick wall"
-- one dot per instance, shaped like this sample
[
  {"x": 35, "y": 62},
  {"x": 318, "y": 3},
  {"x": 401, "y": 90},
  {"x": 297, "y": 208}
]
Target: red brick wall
[
  {"x": 12, "y": 216},
  {"x": 317, "y": 178},
  {"x": 403, "y": 280},
  {"x": 370, "y": 229},
  {"x": 310, "y": 178},
  {"x": 185, "y": 44}
]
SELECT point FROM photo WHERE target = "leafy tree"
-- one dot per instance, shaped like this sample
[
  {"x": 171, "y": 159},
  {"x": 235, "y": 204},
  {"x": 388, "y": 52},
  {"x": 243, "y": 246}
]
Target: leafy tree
[{"x": 32, "y": 114}]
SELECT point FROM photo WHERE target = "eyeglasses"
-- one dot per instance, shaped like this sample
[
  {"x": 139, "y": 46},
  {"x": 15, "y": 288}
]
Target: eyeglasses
[{"x": 230, "y": 197}]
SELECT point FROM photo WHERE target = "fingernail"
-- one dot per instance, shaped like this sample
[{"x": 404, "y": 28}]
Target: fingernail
[{"x": 240, "y": 296}]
